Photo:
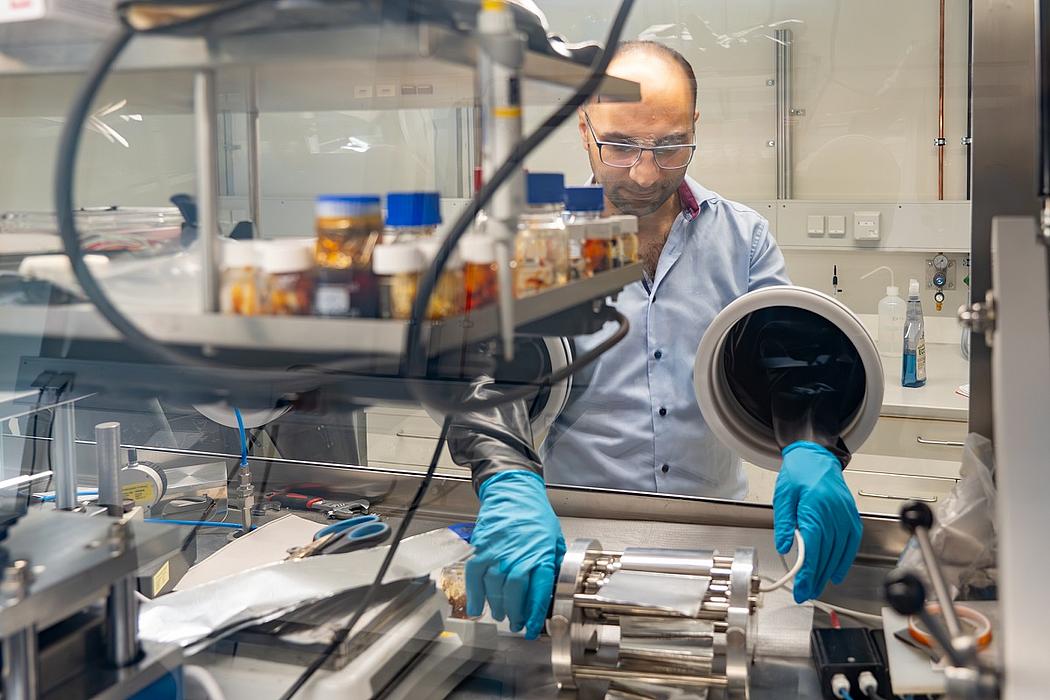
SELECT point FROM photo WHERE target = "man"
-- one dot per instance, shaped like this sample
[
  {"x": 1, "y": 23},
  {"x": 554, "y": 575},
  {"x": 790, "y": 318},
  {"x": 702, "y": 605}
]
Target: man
[{"x": 636, "y": 425}]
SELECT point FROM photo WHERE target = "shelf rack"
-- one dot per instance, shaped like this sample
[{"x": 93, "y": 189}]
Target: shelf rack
[
  {"x": 279, "y": 69},
  {"x": 323, "y": 336}
]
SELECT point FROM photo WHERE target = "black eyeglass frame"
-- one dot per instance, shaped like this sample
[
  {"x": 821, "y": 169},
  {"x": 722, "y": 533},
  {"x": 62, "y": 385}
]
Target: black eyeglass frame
[{"x": 655, "y": 150}]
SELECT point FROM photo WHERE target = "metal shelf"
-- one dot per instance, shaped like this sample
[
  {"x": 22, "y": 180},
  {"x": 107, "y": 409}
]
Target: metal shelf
[
  {"x": 291, "y": 70},
  {"x": 538, "y": 314}
]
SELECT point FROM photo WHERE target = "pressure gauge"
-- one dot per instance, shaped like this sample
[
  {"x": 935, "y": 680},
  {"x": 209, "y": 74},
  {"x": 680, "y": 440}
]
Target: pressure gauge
[{"x": 940, "y": 262}]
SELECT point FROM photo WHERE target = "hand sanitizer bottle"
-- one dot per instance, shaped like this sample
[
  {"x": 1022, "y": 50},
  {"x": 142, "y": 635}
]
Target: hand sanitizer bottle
[{"x": 913, "y": 367}]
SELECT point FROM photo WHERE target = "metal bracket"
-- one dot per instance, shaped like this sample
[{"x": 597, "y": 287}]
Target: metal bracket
[
  {"x": 979, "y": 317},
  {"x": 940, "y": 142}
]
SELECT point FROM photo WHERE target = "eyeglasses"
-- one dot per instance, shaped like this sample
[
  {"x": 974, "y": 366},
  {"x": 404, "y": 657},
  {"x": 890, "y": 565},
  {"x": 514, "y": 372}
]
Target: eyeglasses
[{"x": 627, "y": 155}]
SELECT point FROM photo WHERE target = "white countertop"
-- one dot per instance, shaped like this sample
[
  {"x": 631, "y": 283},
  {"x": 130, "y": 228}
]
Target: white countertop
[{"x": 946, "y": 370}]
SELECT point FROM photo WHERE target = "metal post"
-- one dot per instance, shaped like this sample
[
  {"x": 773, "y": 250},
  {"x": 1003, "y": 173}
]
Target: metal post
[
  {"x": 782, "y": 43},
  {"x": 206, "y": 117},
  {"x": 65, "y": 466},
  {"x": 252, "y": 153},
  {"x": 500, "y": 62},
  {"x": 1003, "y": 158},
  {"x": 19, "y": 648},
  {"x": 122, "y": 609},
  {"x": 107, "y": 454}
]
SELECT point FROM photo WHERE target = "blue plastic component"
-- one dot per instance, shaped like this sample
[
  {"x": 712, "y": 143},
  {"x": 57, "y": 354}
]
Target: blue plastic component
[
  {"x": 167, "y": 687},
  {"x": 464, "y": 530},
  {"x": 370, "y": 199},
  {"x": 545, "y": 188},
  {"x": 413, "y": 209},
  {"x": 585, "y": 198}
]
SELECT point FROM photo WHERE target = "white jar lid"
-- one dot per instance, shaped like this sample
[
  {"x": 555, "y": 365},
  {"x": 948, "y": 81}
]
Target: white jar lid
[
  {"x": 477, "y": 249},
  {"x": 600, "y": 230},
  {"x": 624, "y": 223},
  {"x": 285, "y": 256},
  {"x": 237, "y": 254},
  {"x": 397, "y": 259},
  {"x": 576, "y": 230},
  {"x": 429, "y": 249}
]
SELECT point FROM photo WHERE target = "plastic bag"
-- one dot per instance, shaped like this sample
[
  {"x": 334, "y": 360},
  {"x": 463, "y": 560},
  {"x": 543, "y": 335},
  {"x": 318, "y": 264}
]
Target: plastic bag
[{"x": 964, "y": 536}]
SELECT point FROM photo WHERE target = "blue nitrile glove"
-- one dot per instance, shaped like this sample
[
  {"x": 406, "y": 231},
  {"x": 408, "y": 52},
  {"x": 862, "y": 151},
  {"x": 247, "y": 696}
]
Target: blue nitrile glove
[
  {"x": 811, "y": 495},
  {"x": 518, "y": 548}
]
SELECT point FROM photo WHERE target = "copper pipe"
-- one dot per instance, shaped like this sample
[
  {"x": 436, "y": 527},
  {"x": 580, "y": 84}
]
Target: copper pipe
[{"x": 940, "y": 106}]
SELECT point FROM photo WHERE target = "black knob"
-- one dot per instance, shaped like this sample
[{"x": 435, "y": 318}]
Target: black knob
[
  {"x": 915, "y": 515},
  {"x": 905, "y": 592}
]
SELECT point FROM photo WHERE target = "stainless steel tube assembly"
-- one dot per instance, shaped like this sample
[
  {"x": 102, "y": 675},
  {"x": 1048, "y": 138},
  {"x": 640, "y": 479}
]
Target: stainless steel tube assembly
[
  {"x": 684, "y": 618},
  {"x": 122, "y": 607},
  {"x": 500, "y": 61},
  {"x": 65, "y": 465},
  {"x": 107, "y": 454}
]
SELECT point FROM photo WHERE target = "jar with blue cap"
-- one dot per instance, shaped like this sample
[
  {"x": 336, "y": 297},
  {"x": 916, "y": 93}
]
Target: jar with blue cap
[
  {"x": 583, "y": 204},
  {"x": 412, "y": 216},
  {"x": 541, "y": 249}
]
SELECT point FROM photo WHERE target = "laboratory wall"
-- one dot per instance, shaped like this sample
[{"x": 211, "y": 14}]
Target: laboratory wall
[
  {"x": 126, "y": 158},
  {"x": 865, "y": 89}
]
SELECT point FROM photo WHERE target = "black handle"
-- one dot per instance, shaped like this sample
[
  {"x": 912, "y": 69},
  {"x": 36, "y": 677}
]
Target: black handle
[
  {"x": 915, "y": 515},
  {"x": 905, "y": 592}
]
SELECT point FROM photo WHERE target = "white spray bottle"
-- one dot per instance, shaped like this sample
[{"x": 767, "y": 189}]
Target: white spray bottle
[{"x": 892, "y": 312}]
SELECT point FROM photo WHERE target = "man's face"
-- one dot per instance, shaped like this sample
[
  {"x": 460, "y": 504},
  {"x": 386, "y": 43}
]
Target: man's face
[{"x": 665, "y": 116}]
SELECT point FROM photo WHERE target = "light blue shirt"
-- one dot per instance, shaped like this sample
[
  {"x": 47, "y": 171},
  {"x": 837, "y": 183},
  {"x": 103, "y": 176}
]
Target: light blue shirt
[{"x": 632, "y": 421}]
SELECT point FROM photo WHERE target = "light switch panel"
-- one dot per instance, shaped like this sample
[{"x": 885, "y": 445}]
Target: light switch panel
[
  {"x": 815, "y": 226},
  {"x": 836, "y": 226}
]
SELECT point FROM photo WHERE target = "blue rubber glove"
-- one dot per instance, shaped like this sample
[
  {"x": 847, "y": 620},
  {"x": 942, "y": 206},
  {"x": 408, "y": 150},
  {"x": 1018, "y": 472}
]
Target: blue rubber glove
[
  {"x": 518, "y": 548},
  {"x": 811, "y": 495}
]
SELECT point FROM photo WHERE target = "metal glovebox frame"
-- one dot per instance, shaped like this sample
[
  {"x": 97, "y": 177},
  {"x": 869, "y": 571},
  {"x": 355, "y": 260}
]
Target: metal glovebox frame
[{"x": 730, "y": 422}]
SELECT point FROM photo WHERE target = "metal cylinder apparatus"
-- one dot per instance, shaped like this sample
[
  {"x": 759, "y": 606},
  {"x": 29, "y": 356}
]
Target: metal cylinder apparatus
[{"x": 683, "y": 617}]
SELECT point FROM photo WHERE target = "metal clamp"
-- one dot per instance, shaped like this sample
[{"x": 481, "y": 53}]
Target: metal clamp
[
  {"x": 944, "y": 443},
  {"x": 979, "y": 317}
]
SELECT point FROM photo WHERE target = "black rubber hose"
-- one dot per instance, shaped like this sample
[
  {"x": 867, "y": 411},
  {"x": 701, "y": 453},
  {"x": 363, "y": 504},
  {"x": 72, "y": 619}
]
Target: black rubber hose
[{"x": 415, "y": 343}]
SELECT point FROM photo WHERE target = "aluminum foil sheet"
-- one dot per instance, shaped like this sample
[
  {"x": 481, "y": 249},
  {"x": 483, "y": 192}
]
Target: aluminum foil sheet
[
  {"x": 212, "y": 610},
  {"x": 667, "y": 592}
]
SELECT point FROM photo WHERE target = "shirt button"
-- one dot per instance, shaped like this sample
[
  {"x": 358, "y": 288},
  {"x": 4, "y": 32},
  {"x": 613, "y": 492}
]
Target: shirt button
[
  {"x": 665, "y": 468},
  {"x": 658, "y": 354},
  {"x": 663, "y": 411}
]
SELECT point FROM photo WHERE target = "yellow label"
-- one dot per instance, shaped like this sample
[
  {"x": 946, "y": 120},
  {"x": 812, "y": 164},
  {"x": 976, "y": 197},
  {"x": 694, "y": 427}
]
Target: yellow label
[
  {"x": 141, "y": 493},
  {"x": 493, "y": 4},
  {"x": 506, "y": 112},
  {"x": 161, "y": 578}
]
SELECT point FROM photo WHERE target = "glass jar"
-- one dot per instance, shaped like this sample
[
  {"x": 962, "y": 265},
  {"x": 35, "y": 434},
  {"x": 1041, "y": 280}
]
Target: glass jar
[
  {"x": 626, "y": 234},
  {"x": 239, "y": 289},
  {"x": 348, "y": 229},
  {"x": 448, "y": 296},
  {"x": 541, "y": 249},
  {"x": 287, "y": 277},
  {"x": 599, "y": 249},
  {"x": 397, "y": 267},
  {"x": 576, "y": 232},
  {"x": 480, "y": 276},
  {"x": 412, "y": 216},
  {"x": 583, "y": 204}
]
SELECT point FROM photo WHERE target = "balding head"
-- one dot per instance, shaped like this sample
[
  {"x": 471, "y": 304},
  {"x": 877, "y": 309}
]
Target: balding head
[
  {"x": 674, "y": 61},
  {"x": 665, "y": 116}
]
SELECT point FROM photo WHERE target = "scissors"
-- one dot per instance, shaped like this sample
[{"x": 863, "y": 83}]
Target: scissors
[{"x": 356, "y": 533}]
